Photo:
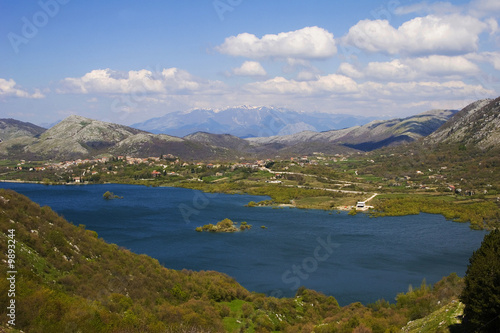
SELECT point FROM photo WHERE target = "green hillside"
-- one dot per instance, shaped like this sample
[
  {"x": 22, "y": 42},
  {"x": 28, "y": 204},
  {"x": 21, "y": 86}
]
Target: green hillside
[{"x": 68, "y": 280}]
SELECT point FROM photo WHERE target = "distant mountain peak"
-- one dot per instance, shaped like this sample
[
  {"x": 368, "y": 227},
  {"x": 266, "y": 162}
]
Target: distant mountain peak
[{"x": 248, "y": 121}]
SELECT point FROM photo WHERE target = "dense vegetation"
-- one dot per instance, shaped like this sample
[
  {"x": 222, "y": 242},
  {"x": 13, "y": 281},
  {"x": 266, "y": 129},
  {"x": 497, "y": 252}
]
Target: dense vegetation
[
  {"x": 70, "y": 280},
  {"x": 225, "y": 225},
  {"x": 481, "y": 215},
  {"x": 481, "y": 294},
  {"x": 110, "y": 196}
]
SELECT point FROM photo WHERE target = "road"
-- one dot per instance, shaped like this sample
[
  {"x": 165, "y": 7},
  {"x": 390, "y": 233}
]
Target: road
[{"x": 319, "y": 188}]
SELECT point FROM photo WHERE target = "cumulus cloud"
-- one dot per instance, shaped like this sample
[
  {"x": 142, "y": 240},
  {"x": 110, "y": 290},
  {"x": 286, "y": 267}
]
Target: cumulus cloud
[
  {"x": 490, "y": 57},
  {"x": 438, "y": 67},
  {"x": 336, "y": 88},
  {"x": 394, "y": 70},
  {"x": 433, "y": 90},
  {"x": 9, "y": 88},
  {"x": 443, "y": 65},
  {"x": 168, "y": 81},
  {"x": 328, "y": 84},
  {"x": 250, "y": 68},
  {"x": 350, "y": 70},
  {"x": 306, "y": 43},
  {"x": 444, "y": 35}
]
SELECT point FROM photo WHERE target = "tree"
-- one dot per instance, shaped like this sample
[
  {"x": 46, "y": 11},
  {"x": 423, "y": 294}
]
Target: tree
[{"x": 481, "y": 294}]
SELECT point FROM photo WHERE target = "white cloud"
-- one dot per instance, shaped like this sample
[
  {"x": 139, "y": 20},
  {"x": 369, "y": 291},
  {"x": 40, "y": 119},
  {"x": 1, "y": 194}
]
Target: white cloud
[
  {"x": 443, "y": 65},
  {"x": 444, "y": 35},
  {"x": 428, "y": 8},
  {"x": 482, "y": 8},
  {"x": 168, "y": 81},
  {"x": 350, "y": 70},
  {"x": 329, "y": 84},
  {"x": 306, "y": 75},
  {"x": 476, "y": 8},
  {"x": 9, "y": 88},
  {"x": 491, "y": 57},
  {"x": 425, "y": 90},
  {"x": 408, "y": 69},
  {"x": 326, "y": 91},
  {"x": 387, "y": 71},
  {"x": 306, "y": 43},
  {"x": 250, "y": 68}
]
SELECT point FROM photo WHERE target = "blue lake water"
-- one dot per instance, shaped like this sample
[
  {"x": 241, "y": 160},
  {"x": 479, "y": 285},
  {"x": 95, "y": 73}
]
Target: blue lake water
[{"x": 354, "y": 258}]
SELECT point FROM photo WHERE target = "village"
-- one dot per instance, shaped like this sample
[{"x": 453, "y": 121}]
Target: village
[{"x": 337, "y": 172}]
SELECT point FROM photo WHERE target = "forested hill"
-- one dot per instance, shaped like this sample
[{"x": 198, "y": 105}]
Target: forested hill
[{"x": 68, "y": 280}]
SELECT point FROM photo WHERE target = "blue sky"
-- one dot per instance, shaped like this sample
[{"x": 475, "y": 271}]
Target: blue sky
[{"x": 128, "y": 61}]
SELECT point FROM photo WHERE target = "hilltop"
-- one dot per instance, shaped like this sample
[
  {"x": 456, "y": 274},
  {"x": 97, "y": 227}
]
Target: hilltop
[{"x": 477, "y": 125}]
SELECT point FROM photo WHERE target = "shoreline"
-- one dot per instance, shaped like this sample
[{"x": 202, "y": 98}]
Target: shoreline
[{"x": 366, "y": 209}]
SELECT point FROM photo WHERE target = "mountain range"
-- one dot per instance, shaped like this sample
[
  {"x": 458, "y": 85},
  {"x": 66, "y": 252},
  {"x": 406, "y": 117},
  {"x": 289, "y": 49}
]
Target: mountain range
[
  {"x": 376, "y": 134},
  {"x": 78, "y": 137},
  {"x": 248, "y": 121}
]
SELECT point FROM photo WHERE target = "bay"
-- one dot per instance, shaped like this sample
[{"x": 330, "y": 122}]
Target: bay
[{"x": 353, "y": 258}]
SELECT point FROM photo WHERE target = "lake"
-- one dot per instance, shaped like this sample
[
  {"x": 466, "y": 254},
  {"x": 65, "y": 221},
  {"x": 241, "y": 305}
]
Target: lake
[{"x": 353, "y": 258}]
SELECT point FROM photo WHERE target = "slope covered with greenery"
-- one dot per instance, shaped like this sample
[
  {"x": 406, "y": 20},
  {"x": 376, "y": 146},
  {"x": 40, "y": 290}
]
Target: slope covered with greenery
[{"x": 69, "y": 280}]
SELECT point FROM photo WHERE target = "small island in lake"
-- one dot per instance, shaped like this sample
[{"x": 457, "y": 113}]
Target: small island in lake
[
  {"x": 110, "y": 195},
  {"x": 225, "y": 225}
]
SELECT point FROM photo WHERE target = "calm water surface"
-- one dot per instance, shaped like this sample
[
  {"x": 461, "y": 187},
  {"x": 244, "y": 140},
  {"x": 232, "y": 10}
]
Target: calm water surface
[{"x": 354, "y": 258}]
